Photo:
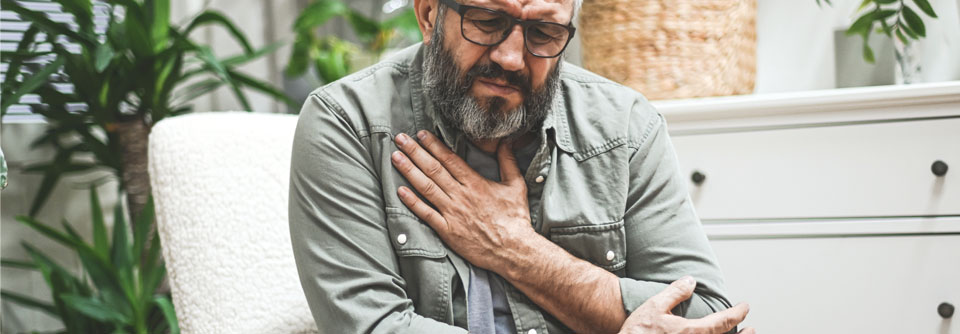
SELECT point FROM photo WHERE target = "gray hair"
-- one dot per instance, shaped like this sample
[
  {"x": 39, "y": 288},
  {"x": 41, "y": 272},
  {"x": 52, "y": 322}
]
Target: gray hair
[{"x": 576, "y": 10}]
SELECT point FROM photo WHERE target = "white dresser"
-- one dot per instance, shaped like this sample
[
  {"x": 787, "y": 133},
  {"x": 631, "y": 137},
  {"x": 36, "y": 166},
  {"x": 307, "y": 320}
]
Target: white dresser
[{"x": 831, "y": 211}]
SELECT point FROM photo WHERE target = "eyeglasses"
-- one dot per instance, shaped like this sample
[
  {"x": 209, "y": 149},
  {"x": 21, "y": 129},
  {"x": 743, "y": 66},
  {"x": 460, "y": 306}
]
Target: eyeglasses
[{"x": 488, "y": 27}]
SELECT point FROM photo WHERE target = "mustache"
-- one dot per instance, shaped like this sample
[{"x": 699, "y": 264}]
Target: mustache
[{"x": 494, "y": 71}]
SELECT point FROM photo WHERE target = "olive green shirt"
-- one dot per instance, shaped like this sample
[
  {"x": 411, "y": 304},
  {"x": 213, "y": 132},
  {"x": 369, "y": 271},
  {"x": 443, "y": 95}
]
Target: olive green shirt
[{"x": 603, "y": 185}]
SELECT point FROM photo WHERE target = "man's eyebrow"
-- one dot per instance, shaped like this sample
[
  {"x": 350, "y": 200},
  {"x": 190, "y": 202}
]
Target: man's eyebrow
[{"x": 547, "y": 13}]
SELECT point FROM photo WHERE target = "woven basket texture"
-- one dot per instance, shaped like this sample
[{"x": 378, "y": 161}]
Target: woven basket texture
[{"x": 669, "y": 49}]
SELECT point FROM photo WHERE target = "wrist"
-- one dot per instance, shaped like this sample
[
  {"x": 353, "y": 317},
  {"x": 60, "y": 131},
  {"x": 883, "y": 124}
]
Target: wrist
[{"x": 525, "y": 253}]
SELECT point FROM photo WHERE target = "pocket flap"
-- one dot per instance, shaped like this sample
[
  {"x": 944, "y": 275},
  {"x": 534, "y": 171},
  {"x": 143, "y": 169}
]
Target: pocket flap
[
  {"x": 604, "y": 245},
  {"x": 411, "y": 237}
]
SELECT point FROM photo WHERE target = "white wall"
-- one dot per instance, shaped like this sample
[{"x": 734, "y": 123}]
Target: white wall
[{"x": 795, "y": 43}]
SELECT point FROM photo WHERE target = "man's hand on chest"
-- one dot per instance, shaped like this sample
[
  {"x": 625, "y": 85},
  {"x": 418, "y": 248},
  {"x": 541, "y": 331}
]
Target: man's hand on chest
[{"x": 481, "y": 220}]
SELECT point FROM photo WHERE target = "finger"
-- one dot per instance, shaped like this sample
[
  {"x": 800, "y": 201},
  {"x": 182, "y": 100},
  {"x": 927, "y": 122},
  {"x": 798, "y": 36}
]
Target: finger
[
  {"x": 426, "y": 162},
  {"x": 747, "y": 330},
  {"x": 723, "y": 321},
  {"x": 422, "y": 210},
  {"x": 509, "y": 171},
  {"x": 674, "y": 294},
  {"x": 451, "y": 161},
  {"x": 423, "y": 184}
]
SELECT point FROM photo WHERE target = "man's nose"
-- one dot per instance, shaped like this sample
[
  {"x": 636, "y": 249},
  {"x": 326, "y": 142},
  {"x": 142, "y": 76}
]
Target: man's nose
[{"x": 509, "y": 53}]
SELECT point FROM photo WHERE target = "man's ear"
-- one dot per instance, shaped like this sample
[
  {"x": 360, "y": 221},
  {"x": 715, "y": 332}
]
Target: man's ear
[{"x": 426, "y": 11}]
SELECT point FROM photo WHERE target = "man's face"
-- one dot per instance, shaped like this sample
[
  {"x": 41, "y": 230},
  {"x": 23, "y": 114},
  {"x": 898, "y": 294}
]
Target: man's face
[{"x": 492, "y": 91}]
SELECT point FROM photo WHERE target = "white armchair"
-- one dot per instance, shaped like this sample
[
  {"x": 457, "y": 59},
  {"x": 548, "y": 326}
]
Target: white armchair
[{"x": 220, "y": 184}]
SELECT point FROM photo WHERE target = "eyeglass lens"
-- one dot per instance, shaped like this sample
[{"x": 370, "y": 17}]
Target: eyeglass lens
[{"x": 488, "y": 27}]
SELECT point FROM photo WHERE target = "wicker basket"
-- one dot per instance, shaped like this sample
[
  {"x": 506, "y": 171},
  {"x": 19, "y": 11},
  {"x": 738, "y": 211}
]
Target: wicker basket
[{"x": 669, "y": 49}]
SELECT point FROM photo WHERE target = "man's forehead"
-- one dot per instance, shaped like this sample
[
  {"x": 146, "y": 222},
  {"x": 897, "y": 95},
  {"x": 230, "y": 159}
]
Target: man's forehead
[{"x": 547, "y": 10}]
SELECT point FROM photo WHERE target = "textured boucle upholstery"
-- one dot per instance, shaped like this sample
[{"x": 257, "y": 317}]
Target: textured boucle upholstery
[{"x": 220, "y": 184}]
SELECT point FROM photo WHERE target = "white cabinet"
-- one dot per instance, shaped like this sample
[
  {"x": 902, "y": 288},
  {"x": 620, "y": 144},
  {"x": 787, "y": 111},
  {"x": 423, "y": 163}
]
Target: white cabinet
[{"x": 825, "y": 209}]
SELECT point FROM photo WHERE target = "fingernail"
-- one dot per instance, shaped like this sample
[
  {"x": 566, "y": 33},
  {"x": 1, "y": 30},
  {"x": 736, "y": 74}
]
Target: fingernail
[
  {"x": 422, "y": 134},
  {"x": 402, "y": 139},
  {"x": 689, "y": 281},
  {"x": 402, "y": 191},
  {"x": 397, "y": 157}
]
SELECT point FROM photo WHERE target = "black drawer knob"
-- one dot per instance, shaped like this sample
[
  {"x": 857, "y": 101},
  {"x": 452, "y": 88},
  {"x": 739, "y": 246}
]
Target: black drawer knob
[
  {"x": 945, "y": 310},
  {"x": 939, "y": 168},
  {"x": 698, "y": 178}
]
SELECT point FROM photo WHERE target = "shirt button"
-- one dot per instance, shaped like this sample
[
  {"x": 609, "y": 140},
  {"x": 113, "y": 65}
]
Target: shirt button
[
  {"x": 538, "y": 180},
  {"x": 401, "y": 238},
  {"x": 532, "y": 331},
  {"x": 611, "y": 255}
]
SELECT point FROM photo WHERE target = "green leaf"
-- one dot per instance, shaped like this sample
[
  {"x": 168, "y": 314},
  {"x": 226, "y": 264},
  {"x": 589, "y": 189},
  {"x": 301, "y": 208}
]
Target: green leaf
[
  {"x": 197, "y": 89},
  {"x": 18, "y": 264},
  {"x": 104, "y": 56},
  {"x": 924, "y": 5},
  {"x": 47, "y": 231},
  {"x": 33, "y": 82},
  {"x": 48, "y": 267},
  {"x": 365, "y": 28},
  {"x": 318, "y": 13},
  {"x": 914, "y": 21},
  {"x": 100, "y": 242},
  {"x": 864, "y": 4},
  {"x": 213, "y": 17},
  {"x": 135, "y": 31},
  {"x": 160, "y": 24},
  {"x": 94, "y": 308},
  {"x": 862, "y": 25},
  {"x": 217, "y": 67},
  {"x": 263, "y": 87},
  {"x": 906, "y": 29},
  {"x": 30, "y": 302},
  {"x": 884, "y": 14},
  {"x": 902, "y": 38},
  {"x": 168, "y": 313},
  {"x": 300, "y": 55},
  {"x": 406, "y": 24},
  {"x": 121, "y": 254},
  {"x": 868, "y": 54},
  {"x": 885, "y": 2}
]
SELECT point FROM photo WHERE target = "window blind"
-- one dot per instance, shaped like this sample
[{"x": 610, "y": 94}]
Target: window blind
[{"x": 12, "y": 28}]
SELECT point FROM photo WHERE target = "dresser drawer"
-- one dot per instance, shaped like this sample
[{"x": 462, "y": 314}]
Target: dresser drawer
[
  {"x": 864, "y": 170},
  {"x": 845, "y": 284}
]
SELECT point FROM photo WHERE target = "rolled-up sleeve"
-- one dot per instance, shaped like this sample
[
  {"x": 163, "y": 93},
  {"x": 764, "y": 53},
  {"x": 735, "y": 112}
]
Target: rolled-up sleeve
[
  {"x": 345, "y": 260},
  {"x": 665, "y": 240}
]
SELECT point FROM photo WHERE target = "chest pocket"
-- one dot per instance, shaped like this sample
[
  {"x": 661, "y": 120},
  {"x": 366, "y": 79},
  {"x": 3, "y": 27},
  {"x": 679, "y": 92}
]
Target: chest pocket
[
  {"x": 604, "y": 245},
  {"x": 426, "y": 272},
  {"x": 410, "y": 237}
]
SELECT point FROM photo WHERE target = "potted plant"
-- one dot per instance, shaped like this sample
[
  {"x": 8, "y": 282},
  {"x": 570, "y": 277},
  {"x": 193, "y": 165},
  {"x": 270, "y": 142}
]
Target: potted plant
[
  {"x": 898, "y": 20},
  {"x": 116, "y": 291},
  {"x": 333, "y": 57},
  {"x": 140, "y": 71}
]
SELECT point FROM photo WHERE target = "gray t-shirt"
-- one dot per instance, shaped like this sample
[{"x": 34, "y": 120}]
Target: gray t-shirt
[{"x": 488, "y": 310}]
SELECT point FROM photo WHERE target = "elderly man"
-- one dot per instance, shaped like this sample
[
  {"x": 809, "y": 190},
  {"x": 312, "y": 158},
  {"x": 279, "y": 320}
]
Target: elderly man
[{"x": 475, "y": 182}]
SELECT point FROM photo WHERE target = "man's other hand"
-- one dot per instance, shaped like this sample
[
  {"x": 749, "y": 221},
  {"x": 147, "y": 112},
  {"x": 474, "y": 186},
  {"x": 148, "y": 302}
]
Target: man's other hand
[{"x": 654, "y": 315}]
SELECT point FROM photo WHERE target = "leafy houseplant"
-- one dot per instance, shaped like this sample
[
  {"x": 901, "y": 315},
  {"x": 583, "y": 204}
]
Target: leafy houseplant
[
  {"x": 889, "y": 17},
  {"x": 125, "y": 81},
  {"x": 333, "y": 57},
  {"x": 116, "y": 292}
]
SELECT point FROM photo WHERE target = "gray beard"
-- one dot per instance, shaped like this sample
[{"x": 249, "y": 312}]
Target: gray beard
[{"x": 481, "y": 119}]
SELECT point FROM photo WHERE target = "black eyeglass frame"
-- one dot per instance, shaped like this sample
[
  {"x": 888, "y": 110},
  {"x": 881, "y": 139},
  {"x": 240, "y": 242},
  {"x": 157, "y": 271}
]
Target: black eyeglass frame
[{"x": 524, "y": 25}]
